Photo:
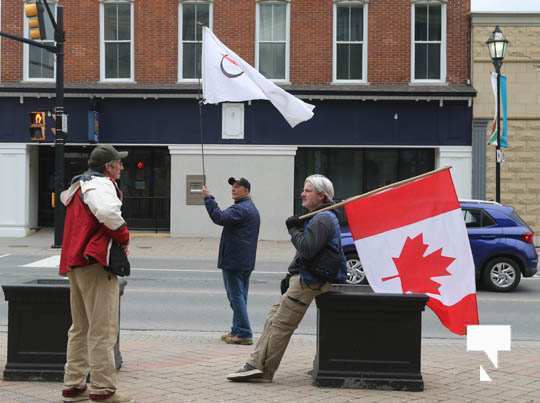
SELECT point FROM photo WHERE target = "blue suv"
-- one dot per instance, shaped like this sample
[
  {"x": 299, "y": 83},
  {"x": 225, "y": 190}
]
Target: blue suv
[{"x": 502, "y": 246}]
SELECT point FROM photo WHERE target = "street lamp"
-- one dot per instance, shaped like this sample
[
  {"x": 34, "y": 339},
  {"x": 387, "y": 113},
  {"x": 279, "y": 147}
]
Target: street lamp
[{"x": 497, "y": 45}]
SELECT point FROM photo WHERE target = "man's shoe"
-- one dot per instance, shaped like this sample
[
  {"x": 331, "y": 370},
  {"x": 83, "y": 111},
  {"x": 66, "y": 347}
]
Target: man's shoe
[
  {"x": 245, "y": 341},
  {"x": 75, "y": 394},
  {"x": 245, "y": 374},
  {"x": 226, "y": 335},
  {"x": 113, "y": 397}
]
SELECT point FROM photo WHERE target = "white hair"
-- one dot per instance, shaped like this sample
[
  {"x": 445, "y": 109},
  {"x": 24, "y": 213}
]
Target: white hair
[{"x": 321, "y": 184}]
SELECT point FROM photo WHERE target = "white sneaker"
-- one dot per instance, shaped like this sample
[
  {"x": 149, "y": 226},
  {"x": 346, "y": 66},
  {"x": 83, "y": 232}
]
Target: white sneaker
[{"x": 245, "y": 374}]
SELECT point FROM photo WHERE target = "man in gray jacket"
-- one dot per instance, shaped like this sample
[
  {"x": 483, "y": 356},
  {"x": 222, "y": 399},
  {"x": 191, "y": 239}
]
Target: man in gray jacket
[
  {"x": 311, "y": 238},
  {"x": 237, "y": 251}
]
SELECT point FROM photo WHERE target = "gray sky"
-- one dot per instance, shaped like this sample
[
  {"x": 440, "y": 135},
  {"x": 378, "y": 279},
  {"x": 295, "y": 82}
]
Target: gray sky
[{"x": 505, "y": 5}]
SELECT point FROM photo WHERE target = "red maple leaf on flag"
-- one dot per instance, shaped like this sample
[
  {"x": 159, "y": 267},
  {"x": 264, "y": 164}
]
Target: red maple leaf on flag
[{"x": 416, "y": 270}]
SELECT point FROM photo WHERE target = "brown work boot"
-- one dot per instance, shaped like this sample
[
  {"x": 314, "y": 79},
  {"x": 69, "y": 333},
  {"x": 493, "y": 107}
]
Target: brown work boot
[
  {"x": 75, "y": 394},
  {"x": 238, "y": 340},
  {"x": 226, "y": 335},
  {"x": 113, "y": 397}
]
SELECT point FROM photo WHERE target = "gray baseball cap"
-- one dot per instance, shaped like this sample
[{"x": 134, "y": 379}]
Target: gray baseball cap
[{"x": 104, "y": 153}]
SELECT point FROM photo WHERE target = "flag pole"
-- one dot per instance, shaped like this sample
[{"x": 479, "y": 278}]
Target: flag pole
[
  {"x": 200, "y": 102},
  {"x": 372, "y": 192}
]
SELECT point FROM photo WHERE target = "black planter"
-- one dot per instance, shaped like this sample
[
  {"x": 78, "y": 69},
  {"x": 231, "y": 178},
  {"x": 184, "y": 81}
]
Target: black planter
[
  {"x": 38, "y": 321},
  {"x": 367, "y": 340}
]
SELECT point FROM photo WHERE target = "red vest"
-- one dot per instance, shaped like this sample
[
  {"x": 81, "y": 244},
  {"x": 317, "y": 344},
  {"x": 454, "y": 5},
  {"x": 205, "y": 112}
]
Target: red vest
[{"x": 86, "y": 240}]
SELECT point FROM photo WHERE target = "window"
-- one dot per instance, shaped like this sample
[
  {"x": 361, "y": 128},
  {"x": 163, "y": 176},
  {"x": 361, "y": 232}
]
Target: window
[
  {"x": 272, "y": 45},
  {"x": 475, "y": 218},
  {"x": 429, "y": 41},
  {"x": 39, "y": 64},
  {"x": 350, "y": 34},
  {"x": 192, "y": 14},
  {"x": 117, "y": 41},
  {"x": 358, "y": 170}
]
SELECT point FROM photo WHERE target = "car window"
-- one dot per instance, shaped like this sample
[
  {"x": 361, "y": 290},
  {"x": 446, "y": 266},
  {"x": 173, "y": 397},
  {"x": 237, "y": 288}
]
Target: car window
[
  {"x": 477, "y": 218},
  {"x": 487, "y": 220},
  {"x": 473, "y": 218}
]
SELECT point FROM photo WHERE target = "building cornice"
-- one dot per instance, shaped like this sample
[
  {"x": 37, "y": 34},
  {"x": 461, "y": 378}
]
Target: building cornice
[
  {"x": 192, "y": 91},
  {"x": 509, "y": 19}
]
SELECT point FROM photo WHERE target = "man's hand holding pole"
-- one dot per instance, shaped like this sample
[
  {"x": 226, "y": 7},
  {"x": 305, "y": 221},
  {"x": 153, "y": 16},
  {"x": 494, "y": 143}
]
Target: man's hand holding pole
[{"x": 205, "y": 191}]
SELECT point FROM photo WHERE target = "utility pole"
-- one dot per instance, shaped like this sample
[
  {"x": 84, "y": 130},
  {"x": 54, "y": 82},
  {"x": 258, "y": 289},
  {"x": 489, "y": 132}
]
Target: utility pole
[{"x": 60, "y": 136}]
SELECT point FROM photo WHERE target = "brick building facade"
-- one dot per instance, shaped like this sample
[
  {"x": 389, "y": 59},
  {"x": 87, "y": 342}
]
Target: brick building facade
[{"x": 390, "y": 80}]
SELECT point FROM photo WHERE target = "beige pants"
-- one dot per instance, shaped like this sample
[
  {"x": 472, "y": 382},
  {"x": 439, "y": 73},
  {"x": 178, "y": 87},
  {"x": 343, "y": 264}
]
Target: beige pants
[
  {"x": 94, "y": 298},
  {"x": 281, "y": 322}
]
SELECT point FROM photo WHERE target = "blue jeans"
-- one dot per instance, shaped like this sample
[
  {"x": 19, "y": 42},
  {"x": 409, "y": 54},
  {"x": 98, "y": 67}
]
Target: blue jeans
[{"x": 237, "y": 287}]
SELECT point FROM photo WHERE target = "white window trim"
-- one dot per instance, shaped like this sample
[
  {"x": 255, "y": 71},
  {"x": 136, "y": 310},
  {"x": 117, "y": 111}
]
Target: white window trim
[
  {"x": 102, "y": 78},
  {"x": 285, "y": 80},
  {"x": 364, "y": 44},
  {"x": 181, "y": 43},
  {"x": 26, "y": 51},
  {"x": 444, "y": 40}
]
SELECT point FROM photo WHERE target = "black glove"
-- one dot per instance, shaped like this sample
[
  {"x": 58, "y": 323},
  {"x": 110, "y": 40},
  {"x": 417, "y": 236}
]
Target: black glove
[
  {"x": 284, "y": 285},
  {"x": 293, "y": 221}
]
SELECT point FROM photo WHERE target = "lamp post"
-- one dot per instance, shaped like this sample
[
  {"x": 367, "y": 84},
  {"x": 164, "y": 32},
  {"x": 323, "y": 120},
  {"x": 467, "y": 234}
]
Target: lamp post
[{"x": 497, "y": 45}]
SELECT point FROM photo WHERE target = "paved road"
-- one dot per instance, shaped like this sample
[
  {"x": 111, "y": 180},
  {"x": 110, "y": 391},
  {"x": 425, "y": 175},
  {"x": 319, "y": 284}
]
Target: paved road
[{"x": 187, "y": 295}]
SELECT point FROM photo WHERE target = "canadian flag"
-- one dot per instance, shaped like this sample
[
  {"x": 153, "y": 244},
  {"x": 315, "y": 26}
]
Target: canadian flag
[{"x": 412, "y": 238}]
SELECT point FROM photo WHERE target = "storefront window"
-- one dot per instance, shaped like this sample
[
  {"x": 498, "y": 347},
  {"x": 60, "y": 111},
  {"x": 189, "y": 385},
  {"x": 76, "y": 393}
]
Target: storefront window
[{"x": 356, "y": 171}]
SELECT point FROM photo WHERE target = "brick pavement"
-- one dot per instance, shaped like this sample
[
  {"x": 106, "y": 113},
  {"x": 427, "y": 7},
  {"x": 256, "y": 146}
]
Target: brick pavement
[{"x": 191, "y": 367}]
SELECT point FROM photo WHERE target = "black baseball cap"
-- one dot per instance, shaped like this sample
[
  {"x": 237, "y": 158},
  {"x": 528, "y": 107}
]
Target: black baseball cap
[
  {"x": 104, "y": 153},
  {"x": 242, "y": 182}
]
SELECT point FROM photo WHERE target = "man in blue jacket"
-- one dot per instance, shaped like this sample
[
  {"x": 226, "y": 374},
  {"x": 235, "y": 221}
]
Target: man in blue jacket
[{"x": 237, "y": 251}]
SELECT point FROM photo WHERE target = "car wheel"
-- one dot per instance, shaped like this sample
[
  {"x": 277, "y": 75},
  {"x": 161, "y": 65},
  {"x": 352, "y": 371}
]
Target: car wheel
[
  {"x": 355, "y": 271},
  {"x": 501, "y": 274}
]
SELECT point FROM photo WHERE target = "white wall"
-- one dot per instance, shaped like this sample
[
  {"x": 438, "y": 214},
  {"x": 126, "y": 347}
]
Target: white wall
[
  {"x": 270, "y": 170},
  {"x": 18, "y": 181},
  {"x": 460, "y": 159}
]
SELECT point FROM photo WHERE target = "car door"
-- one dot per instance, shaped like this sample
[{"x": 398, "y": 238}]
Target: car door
[{"x": 484, "y": 234}]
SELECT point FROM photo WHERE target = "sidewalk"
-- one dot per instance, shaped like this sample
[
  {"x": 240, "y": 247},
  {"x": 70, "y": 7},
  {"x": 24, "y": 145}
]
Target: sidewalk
[
  {"x": 149, "y": 244},
  {"x": 191, "y": 367}
]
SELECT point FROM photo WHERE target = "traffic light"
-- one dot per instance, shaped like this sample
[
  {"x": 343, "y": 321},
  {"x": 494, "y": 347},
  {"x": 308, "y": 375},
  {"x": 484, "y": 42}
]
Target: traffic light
[
  {"x": 37, "y": 126},
  {"x": 36, "y": 20}
]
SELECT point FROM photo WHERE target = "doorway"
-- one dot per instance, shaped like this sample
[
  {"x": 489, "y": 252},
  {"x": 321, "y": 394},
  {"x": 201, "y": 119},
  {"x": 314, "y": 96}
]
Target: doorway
[{"x": 145, "y": 184}]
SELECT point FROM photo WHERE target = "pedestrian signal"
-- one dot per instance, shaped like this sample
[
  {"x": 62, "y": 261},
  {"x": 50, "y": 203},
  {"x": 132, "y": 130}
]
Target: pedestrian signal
[
  {"x": 36, "y": 21},
  {"x": 37, "y": 126}
]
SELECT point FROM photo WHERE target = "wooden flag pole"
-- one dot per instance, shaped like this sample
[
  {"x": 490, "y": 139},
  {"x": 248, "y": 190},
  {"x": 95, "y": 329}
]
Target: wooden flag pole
[{"x": 371, "y": 192}]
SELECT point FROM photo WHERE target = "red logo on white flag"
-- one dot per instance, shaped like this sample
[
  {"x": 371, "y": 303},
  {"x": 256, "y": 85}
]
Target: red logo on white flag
[{"x": 412, "y": 238}]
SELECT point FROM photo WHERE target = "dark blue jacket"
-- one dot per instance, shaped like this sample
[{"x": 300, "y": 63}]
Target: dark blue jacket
[
  {"x": 241, "y": 222},
  {"x": 318, "y": 231}
]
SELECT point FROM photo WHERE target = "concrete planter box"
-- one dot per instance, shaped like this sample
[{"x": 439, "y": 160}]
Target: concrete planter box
[
  {"x": 367, "y": 340},
  {"x": 38, "y": 321}
]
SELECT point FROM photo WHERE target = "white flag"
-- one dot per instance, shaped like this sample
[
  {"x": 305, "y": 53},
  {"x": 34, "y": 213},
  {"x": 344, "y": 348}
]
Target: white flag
[{"x": 228, "y": 78}]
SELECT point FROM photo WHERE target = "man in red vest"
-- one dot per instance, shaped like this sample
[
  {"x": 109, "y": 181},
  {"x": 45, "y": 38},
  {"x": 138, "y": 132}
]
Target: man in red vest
[{"x": 93, "y": 220}]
